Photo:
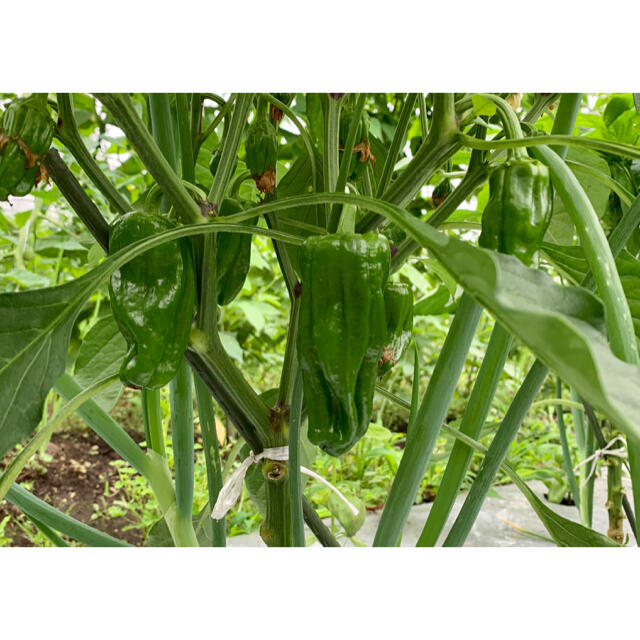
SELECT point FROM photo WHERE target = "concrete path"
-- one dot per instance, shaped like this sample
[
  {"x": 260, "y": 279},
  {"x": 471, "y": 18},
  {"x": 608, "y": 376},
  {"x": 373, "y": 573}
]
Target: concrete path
[{"x": 491, "y": 529}]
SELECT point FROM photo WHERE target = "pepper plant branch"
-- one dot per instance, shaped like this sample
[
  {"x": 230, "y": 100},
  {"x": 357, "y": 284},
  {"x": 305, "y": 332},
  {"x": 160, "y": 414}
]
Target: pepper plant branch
[
  {"x": 201, "y": 138},
  {"x": 440, "y": 145},
  {"x": 473, "y": 420},
  {"x": 399, "y": 138},
  {"x": 211, "y": 449},
  {"x": 229, "y": 153},
  {"x": 180, "y": 398},
  {"x": 304, "y": 134},
  {"x": 345, "y": 163},
  {"x": 67, "y": 132},
  {"x": 123, "y": 111},
  {"x": 602, "y": 444},
  {"x": 427, "y": 424},
  {"x": 331, "y": 143},
  {"x": 596, "y": 144},
  {"x": 424, "y": 122},
  {"x": 295, "y": 487},
  {"x": 75, "y": 195},
  {"x": 566, "y": 451},
  {"x": 599, "y": 257},
  {"x": 568, "y": 109}
]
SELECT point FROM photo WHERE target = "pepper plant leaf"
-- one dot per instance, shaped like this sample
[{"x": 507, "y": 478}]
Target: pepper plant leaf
[
  {"x": 35, "y": 328},
  {"x": 571, "y": 261}
]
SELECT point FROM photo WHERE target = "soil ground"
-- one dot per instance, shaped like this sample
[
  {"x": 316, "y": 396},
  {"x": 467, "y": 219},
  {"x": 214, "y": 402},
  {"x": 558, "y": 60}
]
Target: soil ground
[{"x": 76, "y": 475}]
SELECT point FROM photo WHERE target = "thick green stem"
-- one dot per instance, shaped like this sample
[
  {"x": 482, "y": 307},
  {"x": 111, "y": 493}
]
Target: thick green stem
[
  {"x": 233, "y": 137},
  {"x": 75, "y": 195},
  {"x": 276, "y": 526},
  {"x": 345, "y": 163},
  {"x": 295, "y": 485},
  {"x": 428, "y": 422},
  {"x": 424, "y": 122},
  {"x": 290, "y": 364},
  {"x": 123, "y": 111},
  {"x": 318, "y": 528},
  {"x": 184, "y": 115},
  {"x": 71, "y": 138},
  {"x": 598, "y": 254},
  {"x": 595, "y": 144},
  {"x": 496, "y": 455},
  {"x": 615, "y": 493},
  {"x": 182, "y": 436},
  {"x": 585, "y": 442},
  {"x": 568, "y": 109},
  {"x": 439, "y": 146},
  {"x": 566, "y": 452},
  {"x": 233, "y": 393},
  {"x": 39, "y": 510},
  {"x": 152, "y": 416},
  {"x": 473, "y": 420},
  {"x": 211, "y": 457},
  {"x": 399, "y": 139},
  {"x": 330, "y": 145}
]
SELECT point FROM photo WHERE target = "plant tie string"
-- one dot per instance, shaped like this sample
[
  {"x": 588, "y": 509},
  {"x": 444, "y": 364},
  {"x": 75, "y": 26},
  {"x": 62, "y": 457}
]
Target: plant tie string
[
  {"x": 599, "y": 454},
  {"x": 232, "y": 488}
]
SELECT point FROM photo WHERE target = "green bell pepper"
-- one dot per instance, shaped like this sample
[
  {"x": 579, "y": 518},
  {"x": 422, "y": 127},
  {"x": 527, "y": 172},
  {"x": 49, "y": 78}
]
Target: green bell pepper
[
  {"x": 518, "y": 212},
  {"x": 342, "y": 331},
  {"x": 152, "y": 298}
]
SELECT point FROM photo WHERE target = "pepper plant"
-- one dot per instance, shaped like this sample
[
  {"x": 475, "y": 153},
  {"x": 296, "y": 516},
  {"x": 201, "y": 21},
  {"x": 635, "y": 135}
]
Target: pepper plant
[{"x": 348, "y": 188}]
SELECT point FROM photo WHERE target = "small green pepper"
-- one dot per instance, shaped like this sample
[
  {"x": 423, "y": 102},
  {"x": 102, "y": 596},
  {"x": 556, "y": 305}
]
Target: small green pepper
[
  {"x": 152, "y": 298},
  {"x": 26, "y": 132},
  {"x": 398, "y": 307},
  {"x": 361, "y": 150},
  {"x": 518, "y": 212},
  {"x": 233, "y": 256},
  {"x": 261, "y": 148},
  {"x": 342, "y": 331},
  {"x": 276, "y": 112}
]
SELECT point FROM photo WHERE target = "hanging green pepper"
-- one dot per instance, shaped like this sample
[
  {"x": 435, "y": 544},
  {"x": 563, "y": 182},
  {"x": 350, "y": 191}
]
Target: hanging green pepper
[
  {"x": 261, "y": 148},
  {"x": 518, "y": 212},
  {"x": 361, "y": 150},
  {"x": 26, "y": 131},
  {"x": 276, "y": 113},
  {"x": 233, "y": 256},
  {"x": 342, "y": 331},
  {"x": 152, "y": 299},
  {"x": 398, "y": 307}
]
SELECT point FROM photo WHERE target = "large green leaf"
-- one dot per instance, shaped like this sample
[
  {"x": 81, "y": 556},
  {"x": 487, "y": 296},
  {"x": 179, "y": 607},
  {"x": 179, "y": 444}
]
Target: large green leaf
[
  {"x": 565, "y": 532},
  {"x": 571, "y": 261},
  {"x": 561, "y": 229},
  {"x": 100, "y": 355},
  {"x": 35, "y": 328}
]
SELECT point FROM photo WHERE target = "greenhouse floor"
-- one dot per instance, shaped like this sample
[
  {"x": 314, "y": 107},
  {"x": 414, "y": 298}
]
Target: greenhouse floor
[{"x": 505, "y": 521}]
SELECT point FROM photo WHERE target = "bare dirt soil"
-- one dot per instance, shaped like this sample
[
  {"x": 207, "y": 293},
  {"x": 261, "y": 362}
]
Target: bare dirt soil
[{"x": 77, "y": 477}]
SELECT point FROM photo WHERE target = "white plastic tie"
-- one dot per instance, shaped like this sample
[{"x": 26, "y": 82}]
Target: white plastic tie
[
  {"x": 599, "y": 454},
  {"x": 232, "y": 488}
]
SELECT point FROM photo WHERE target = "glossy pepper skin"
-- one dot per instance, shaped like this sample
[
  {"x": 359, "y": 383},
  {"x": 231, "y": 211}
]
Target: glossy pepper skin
[
  {"x": 341, "y": 333},
  {"x": 518, "y": 212},
  {"x": 26, "y": 131},
  {"x": 233, "y": 256},
  {"x": 261, "y": 148},
  {"x": 398, "y": 307},
  {"x": 152, "y": 299}
]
